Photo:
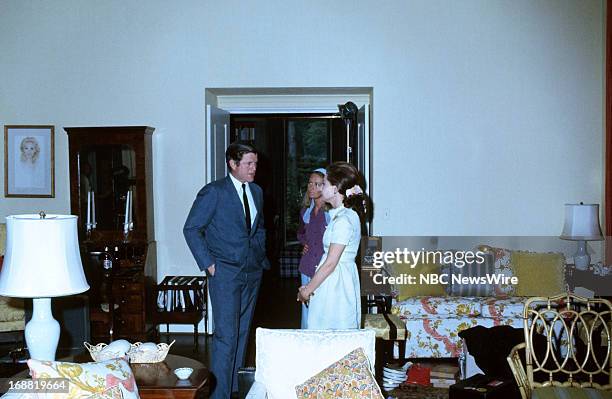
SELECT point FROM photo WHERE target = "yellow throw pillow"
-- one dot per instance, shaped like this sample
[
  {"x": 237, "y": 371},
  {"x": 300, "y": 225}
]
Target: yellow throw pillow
[
  {"x": 348, "y": 378},
  {"x": 405, "y": 290},
  {"x": 539, "y": 274}
]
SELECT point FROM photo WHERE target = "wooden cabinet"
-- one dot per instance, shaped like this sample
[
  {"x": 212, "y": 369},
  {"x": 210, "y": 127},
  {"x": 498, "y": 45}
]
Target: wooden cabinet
[{"x": 108, "y": 165}]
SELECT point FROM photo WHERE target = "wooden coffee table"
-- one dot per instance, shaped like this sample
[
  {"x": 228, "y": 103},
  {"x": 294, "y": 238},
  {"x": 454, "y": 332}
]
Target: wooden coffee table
[{"x": 157, "y": 380}]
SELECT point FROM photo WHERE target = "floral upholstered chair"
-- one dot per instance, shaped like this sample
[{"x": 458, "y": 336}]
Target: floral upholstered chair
[{"x": 12, "y": 313}]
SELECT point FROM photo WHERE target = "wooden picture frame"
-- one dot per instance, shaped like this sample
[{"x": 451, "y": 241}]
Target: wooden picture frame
[{"x": 29, "y": 161}]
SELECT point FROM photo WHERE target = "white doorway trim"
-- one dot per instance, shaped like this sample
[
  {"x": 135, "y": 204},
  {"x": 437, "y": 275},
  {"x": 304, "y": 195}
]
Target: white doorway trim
[{"x": 297, "y": 100}]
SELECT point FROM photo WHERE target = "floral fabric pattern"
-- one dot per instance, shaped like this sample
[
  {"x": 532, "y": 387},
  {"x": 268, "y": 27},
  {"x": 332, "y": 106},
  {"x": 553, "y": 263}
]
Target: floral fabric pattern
[
  {"x": 503, "y": 265},
  {"x": 437, "y": 307},
  {"x": 110, "y": 393},
  {"x": 511, "y": 307},
  {"x": 433, "y": 323},
  {"x": 380, "y": 325},
  {"x": 348, "y": 378},
  {"x": 88, "y": 379},
  {"x": 316, "y": 349},
  {"x": 439, "y": 338}
]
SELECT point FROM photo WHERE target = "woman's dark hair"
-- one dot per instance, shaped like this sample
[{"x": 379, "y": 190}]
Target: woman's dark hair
[
  {"x": 345, "y": 176},
  {"x": 236, "y": 151}
]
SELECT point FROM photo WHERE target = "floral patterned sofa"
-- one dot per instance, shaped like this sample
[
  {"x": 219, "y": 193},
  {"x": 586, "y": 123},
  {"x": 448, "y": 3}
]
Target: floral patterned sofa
[
  {"x": 12, "y": 313},
  {"x": 435, "y": 315},
  {"x": 433, "y": 323}
]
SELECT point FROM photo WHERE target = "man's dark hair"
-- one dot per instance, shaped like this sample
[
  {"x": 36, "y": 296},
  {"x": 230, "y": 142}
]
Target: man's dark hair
[{"x": 236, "y": 151}]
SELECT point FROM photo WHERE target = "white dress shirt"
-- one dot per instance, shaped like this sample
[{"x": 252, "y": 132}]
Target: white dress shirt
[{"x": 252, "y": 207}]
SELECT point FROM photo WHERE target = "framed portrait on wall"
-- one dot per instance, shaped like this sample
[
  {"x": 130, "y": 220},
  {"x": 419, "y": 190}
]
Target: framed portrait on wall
[{"x": 29, "y": 162}]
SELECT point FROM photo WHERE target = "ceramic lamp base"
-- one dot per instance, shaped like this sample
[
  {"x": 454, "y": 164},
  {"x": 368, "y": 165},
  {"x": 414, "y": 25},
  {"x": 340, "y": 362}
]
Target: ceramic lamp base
[
  {"x": 582, "y": 259},
  {"x": 42, "y": 331}
]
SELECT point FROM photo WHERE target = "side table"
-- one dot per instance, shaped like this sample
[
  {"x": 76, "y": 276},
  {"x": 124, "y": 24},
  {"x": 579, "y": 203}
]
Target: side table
[
  {"x": 157, "y": 380},
  {"x": 388, "y": 328},
  {"x": 598, "y": 284}
]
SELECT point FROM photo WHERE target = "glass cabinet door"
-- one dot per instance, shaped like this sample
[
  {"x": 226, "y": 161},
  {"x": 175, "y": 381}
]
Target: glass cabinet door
[{"x": 109, "y": 172}]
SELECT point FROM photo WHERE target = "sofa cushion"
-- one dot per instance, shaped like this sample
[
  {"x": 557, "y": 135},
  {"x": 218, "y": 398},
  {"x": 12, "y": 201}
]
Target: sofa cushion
[
  {"x": 439, "y": 338},
  {"x": 437, "y": 307},
  {"x": 539, "y": 274},
  {"x": 497, "y": 308},
  {"x": 87, "y": 379},
  {"x": 286, "y": 358},
  {"x": 349, "y": 377},
  {"x": 503, "y": 266},
  {"x": 473, "y": 269},
  {"x": 405, "y": 291}
]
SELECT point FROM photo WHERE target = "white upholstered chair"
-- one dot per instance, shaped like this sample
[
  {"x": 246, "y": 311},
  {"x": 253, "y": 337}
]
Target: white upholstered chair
[{"x": 286, "y": 358}]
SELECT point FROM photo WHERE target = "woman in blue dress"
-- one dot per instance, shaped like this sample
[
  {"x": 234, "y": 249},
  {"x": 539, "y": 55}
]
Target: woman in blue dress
[{"x": 333, "y": 293}]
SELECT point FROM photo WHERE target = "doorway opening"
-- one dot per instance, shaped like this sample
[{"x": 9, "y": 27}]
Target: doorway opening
[
  {"x": 294, "y": 129},
  {"x": 291, "y": 147}
]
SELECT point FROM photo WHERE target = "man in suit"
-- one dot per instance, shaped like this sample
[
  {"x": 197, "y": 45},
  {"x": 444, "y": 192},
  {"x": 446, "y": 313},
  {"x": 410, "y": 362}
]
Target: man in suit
[{"x": 225, "y": 233}]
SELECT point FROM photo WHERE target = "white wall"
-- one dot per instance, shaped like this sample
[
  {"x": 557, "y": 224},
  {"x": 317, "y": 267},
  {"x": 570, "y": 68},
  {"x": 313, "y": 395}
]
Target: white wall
[{"x": 487, "y": 115}]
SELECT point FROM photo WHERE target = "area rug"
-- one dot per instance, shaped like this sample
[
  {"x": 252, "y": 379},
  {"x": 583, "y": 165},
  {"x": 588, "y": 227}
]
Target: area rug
[{"x": 417, "y": 392}]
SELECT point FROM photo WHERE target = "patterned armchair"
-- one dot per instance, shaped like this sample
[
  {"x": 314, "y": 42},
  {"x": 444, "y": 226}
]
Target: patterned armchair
[
  {"x": 567, "y": 348},
  {"x": 12, "y": 313}
]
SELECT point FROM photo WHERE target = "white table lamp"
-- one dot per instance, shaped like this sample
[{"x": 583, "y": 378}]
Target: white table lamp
[
  {"x": 42, "y": 261},
  {"x": 581, "y": 225}
]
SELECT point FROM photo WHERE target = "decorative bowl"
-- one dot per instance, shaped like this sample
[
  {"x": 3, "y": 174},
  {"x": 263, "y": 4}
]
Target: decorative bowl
[
  {"x": 101, "y": 352},
  {"x": 183, "y": 372},
  {"x": 139, "y": 354}
]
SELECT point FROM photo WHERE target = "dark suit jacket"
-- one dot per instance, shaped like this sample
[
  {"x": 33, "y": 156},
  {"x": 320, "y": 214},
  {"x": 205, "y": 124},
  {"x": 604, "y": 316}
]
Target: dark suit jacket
[{"x": 216, "y": 231}]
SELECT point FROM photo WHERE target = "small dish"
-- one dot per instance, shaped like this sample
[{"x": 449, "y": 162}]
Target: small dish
[{"x": 183, "y": 373}]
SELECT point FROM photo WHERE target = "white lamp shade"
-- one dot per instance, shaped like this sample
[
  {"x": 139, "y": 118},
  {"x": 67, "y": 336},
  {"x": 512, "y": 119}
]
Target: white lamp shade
[
  {"x": 42, "y": 257},
  {"x": 581, "y": 222}
]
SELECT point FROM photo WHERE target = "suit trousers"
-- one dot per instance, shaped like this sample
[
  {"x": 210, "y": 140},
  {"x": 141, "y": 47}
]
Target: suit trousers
[{"x": 233, "y": 294}]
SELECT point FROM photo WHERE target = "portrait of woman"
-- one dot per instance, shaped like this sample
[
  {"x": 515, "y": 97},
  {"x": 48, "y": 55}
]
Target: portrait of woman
[
  {"x": 29, "y": 168},
  {"x": 29, "y": 160}
]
